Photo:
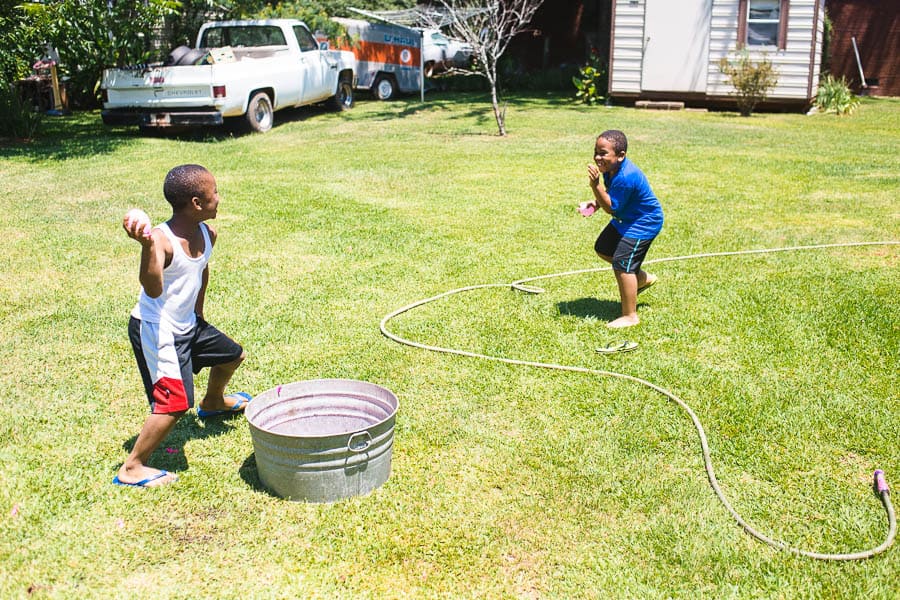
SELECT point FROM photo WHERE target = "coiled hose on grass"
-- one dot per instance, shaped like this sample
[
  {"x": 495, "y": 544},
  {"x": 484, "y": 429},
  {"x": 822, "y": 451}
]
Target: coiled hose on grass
[{"x": 880, "y": 485}]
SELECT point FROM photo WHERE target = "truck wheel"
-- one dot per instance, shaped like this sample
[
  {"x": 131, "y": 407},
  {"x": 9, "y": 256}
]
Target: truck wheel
[
  {"x": 384, "y": 87},
  {"x": 191, "y": 57},
  {"x": 260, "y": 115},
  {"x": 343, "y": 98},
  {"x": 176, "y": 55}
]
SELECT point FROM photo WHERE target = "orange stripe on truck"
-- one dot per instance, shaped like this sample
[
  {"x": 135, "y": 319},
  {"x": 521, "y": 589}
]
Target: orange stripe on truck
[{"x": 395, "y": 54}]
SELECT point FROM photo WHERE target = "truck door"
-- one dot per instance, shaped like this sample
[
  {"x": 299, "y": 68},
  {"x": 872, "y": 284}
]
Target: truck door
[{"x": 318, "y": 69}]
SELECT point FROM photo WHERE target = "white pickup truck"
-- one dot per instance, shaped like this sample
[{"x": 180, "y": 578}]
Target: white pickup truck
[{"x": 245, "y": 69}]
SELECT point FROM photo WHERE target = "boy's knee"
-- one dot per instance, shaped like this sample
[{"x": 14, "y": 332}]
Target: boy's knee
[{"x": 237, "y": 362}]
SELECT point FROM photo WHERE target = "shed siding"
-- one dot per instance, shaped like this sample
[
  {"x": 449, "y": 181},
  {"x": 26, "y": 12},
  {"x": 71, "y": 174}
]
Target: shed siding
[
  {"x": 817, "y": 52},
  {"x": 628, "y": 47},
  {"x": 804, "y": 39},
  {"x": 792, "y": 63}
]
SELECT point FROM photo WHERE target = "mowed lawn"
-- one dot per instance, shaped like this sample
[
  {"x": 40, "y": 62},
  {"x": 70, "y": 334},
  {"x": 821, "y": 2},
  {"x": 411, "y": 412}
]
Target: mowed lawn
[{"x": 507, "y": 481}]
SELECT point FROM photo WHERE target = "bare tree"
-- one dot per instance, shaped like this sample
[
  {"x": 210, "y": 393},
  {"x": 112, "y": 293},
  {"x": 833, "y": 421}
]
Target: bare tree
[{"x": 488, "y": 26}]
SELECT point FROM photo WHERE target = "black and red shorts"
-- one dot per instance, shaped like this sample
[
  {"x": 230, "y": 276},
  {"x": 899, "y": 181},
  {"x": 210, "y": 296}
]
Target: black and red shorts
[{"x": 168, "y": 360}]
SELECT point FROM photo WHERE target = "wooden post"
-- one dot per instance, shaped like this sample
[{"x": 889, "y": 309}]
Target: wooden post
[{"x": 54, "y": 81}]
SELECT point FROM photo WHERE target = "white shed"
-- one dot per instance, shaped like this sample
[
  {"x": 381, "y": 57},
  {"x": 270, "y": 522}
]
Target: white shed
[{"x": 670, "y": 50}]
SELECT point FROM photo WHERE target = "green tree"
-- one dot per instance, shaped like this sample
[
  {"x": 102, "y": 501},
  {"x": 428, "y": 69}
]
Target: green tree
[
  {"x": 89, "y": 35},
  {"x": 182, "y": 28},
  {"x": 20, "y": 42},
  {"x": 317, "y": 13}
]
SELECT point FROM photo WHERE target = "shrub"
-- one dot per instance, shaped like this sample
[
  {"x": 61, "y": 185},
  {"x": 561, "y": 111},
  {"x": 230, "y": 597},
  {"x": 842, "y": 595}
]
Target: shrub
[
  {"x": 590, "y": 81},
  {"x": 751, "y": 80},
  {"x": 834, "y": 96},
  {"x": 18, "y": 119}
]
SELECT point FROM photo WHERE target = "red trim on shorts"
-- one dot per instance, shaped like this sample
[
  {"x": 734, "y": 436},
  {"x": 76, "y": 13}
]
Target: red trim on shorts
[{"x": 169, "y": 396}]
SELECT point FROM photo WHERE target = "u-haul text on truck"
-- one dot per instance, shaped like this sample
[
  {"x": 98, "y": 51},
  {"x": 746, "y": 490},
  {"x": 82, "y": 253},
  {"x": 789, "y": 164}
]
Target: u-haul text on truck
[{"x": 388, "y": 57}]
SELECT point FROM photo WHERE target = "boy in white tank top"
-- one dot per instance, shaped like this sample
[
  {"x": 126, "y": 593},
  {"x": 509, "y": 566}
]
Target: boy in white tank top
[{"x": 170, "y": 338}]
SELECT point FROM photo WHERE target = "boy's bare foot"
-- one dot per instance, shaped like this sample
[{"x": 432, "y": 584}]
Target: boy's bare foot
[
  {"x": 144, "y": 477},
  {"x": 651, "y": 279},
  {"x": 623, "y": 322}
]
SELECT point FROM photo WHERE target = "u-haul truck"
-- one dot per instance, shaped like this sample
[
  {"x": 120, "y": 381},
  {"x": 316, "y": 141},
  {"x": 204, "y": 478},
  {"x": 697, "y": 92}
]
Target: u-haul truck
[{"x": 388, "y": 57}]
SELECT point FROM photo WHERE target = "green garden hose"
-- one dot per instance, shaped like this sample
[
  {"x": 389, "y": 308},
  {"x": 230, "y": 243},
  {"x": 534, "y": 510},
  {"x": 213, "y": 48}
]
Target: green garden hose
[{"x": 880, "y": 485}]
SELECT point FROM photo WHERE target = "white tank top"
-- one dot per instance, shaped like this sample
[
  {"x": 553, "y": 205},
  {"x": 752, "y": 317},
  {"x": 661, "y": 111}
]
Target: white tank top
[{"x": 182, "y": 281}]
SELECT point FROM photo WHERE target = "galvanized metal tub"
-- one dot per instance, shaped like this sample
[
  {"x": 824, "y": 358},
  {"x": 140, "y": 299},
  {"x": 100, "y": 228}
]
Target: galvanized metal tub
[{"x": 323, "y": 440}]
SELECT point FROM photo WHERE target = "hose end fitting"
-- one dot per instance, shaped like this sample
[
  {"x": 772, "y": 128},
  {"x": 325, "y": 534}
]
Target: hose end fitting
[{"x": 880, "y": 482}]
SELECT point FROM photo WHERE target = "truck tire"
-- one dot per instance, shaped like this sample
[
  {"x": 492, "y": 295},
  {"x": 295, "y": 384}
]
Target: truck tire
[
  {"x": 343, "y": 97},
  {"x": 176, "y": 55},
  {"x": 260, "y": 115},
  {"x": 384, "y": 88},
  {"x": 191, "y": 57}
]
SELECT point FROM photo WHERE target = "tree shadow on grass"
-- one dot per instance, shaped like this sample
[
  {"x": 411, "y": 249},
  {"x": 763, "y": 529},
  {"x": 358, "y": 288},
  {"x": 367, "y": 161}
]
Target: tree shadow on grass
[
  {"x": 77, "y": 135},
  {"x": 170, "y": 454},
  {"x": 83, "y": 134},
  {"x": 481, "y": 112},
  {"x": 407, "y": 106}
]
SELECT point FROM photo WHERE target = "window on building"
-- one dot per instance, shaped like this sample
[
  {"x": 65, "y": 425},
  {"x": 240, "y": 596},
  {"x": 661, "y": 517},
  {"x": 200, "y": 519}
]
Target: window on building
[{"x": 763, "y": 23}]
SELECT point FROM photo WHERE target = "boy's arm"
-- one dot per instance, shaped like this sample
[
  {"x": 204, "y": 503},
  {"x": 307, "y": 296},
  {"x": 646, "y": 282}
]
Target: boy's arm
[
  {"x": 153, "y": 261},
  {"x": 201, "y": 296},
  {"x": 154, "y": 246},
  {"x": 601, "y": 197}
]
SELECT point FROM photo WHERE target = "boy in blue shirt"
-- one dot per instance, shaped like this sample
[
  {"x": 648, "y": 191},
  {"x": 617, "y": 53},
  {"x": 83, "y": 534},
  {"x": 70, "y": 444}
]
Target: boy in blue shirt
[{"x": 621, "y": 189}]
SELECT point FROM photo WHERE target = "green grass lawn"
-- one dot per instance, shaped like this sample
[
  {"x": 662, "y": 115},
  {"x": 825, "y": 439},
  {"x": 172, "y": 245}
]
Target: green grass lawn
[{"x": 507, "y": 481}]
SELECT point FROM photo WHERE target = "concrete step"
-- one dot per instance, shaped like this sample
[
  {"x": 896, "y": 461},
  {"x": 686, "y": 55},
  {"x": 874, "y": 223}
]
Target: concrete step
[{"x": 659, "y": 105}]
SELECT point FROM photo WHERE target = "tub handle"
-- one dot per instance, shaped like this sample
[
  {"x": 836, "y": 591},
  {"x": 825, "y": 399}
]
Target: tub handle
[{"x": 365, "y": 443}]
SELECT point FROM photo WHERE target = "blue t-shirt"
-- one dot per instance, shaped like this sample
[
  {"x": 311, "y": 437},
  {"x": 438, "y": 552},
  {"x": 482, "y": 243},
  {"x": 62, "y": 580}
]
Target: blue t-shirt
[{"x": 636, "y": 211}]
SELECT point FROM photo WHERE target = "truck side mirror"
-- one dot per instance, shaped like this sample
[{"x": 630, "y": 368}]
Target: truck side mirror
[{"x": 323, "y": 45}]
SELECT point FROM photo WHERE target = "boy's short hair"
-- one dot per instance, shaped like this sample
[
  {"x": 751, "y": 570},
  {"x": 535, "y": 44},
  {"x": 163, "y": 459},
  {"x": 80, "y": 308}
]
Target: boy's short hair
[
  {"x": 183, "y": 183},
  {"x": 617, "y": 139}
]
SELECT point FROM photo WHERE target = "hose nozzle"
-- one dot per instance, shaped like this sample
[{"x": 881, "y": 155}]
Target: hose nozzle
[{"x": 880, "y": 484}]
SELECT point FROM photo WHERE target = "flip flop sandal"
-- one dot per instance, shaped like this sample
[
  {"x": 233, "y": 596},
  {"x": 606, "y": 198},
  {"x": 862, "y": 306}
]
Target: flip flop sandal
[
  {"x": 143, "y": 482},
  {"x": 243, "y": 398},
  {"x": 613, "y": 347},
  {"x": 647, "y": 285}
]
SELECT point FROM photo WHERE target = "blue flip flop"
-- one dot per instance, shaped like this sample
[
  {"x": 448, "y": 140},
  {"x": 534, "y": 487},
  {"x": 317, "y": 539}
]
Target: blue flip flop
[
  {"x": 243, "y": 398},
  {"x": 143, "y": 482}
]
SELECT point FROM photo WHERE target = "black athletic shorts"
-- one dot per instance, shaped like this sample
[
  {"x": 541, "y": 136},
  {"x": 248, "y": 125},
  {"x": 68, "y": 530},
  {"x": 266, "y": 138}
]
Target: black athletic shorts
[{"x": 627, "y": 253}]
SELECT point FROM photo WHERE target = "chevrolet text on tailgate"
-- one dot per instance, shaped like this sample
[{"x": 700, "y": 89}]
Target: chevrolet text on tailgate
[{"x": 241, "y": 69}]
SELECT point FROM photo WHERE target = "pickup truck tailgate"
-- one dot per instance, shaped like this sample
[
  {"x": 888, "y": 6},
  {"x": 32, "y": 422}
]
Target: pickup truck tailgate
[{"x": 157, "y": 87}]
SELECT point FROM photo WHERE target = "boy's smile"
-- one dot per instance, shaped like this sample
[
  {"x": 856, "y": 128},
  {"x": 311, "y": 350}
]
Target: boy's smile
[{"x": 605, "y": 156}]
